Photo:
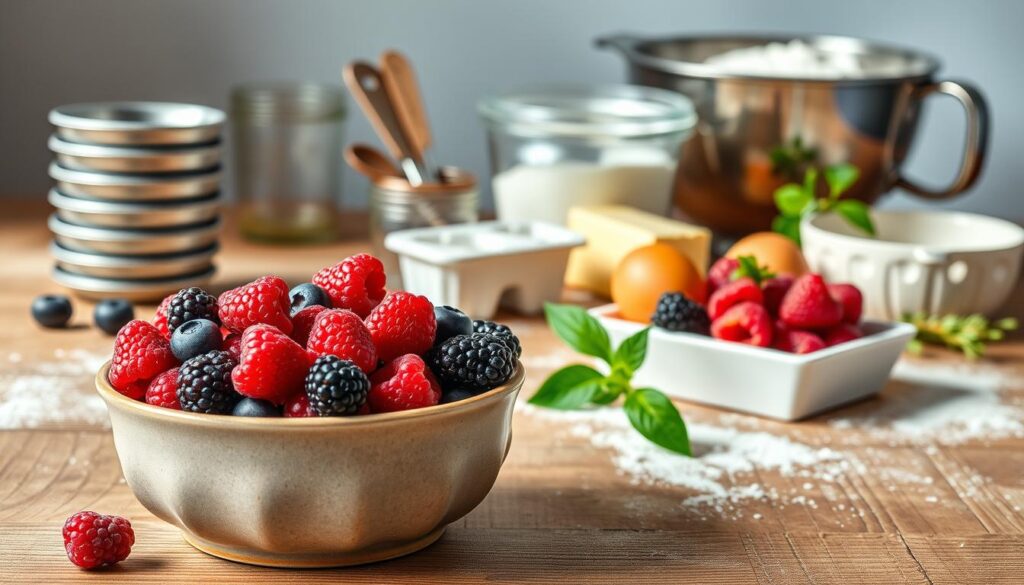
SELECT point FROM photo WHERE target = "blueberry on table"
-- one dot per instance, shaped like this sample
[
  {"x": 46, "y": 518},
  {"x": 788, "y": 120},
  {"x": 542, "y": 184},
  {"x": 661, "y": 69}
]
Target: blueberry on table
[
  {"x": 195, "y": 337},
  {"x": 307, "y": 295},
  {"x": 253, "y": 407},
  {"x": 456, "y": 395},
  {"x": 450, "y": 322},
  {"x": 51, "y": 311},
  {"x": 110, "y": 315}
]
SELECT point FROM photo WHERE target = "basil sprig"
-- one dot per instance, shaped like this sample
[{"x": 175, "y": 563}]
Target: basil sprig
[
  {"x": 796, "y": 201},
  {"x": 650, "y": 412}
]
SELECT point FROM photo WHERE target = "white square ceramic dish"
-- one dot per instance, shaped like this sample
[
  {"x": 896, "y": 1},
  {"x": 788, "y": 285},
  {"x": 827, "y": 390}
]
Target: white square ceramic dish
[
  {"x": 761, "y": 381},
  {"x": 476, "y": 267}
]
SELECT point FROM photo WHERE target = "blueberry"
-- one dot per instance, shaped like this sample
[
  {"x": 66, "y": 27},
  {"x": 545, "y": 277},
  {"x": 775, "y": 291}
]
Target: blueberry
[
  {"x": 111, "y": 315},
  {"x": 195, "y": 337},
  {"x": 450, "y": 322},
  {"x": 253, "y": 407},
  {"x": 307, "y": 295},
  {"x": 456, "y": 395},
  {"x": 51, "y": 310}
]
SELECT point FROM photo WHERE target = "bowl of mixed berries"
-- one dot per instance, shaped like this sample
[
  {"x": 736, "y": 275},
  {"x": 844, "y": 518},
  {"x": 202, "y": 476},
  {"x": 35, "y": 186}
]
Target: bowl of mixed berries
[{"x": 332, "y": 423}]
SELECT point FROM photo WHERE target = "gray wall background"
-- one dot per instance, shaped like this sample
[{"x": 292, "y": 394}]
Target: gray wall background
[{"x": 54, "y": 52}]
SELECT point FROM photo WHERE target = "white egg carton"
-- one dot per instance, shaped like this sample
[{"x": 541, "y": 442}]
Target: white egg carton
[
  {"x": 761, "y": 381},
  {"x": 477, "y": 267}
]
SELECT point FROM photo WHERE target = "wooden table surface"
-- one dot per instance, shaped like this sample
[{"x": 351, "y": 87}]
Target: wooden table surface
[{"x": 905, "y": 511}]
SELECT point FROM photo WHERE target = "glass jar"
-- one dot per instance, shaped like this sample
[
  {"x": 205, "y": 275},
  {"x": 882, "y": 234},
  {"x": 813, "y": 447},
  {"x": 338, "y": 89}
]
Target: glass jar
[
  {"x": 555, "y": 147},
  {"x": 287, "y": 159},
  {"x": 396, "y": 205}
]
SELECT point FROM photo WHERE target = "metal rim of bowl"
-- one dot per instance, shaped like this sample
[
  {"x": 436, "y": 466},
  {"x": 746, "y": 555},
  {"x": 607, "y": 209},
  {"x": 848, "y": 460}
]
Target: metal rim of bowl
[
  {"x": 633, "y": 47},
  {"x": 134, "y": 214},
  {"x": 129, "y": 288},
  {"x": 108, "y": 393},
  {"x": 91, "y": 178},
  {"x": 101, "y": 234},
  {"x": 135, "y": 159},
  {"x": 129, "y": 267},
  {"x": 77, "y": 116}
]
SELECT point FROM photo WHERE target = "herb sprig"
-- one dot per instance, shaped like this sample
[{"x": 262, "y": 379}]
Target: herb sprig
[
  {"x": 965, "y": 333},
  {"x": 796, "y": 201},
  {"x": 573, "y": 387}
]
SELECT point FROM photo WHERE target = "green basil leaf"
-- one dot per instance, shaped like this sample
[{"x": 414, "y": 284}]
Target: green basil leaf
[
  {"x": 569, "y": 388},
  {"x": 840, "y": 178},
  {"x": 631, "y": 352},
  {"x": 608, "y": 393},
  {"x": 857, "y": 213},
  {"x": 787, "y": 226},
  {"x": 811, "y": 183},
  {"x": 578, "y": 329},
  {"x": 656, "y": 418},
  {"x": 791, "y": 199}
]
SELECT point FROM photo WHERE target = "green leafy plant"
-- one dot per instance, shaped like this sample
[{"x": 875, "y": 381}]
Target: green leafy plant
[
  {"x": 967, "y": 334},
  {"x": 795, "y": 201},
  {"x": 789, "y": 158},
  {"x": 749, "y": 268},
  {"x": 650, "y": 412}
]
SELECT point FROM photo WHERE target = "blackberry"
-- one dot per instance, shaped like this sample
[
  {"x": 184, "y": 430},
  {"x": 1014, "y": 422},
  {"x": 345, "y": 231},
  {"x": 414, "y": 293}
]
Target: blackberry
[
  {"x": 478, "y": 361},
  {"x": 336, "y": 387},
  {"x": 500, "y": 331},
  {"x": 675, "y": 312},
  {"x": 204, "y": 384},
  {"x": 188, "y": 304}
]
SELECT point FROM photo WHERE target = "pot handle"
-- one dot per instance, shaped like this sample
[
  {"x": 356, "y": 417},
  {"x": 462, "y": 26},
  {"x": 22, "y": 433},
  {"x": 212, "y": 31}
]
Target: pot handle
[{"x": 976, "y": 143}]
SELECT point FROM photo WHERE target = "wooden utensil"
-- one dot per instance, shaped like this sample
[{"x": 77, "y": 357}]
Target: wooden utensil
[
  {"x": 400, "y": 80},
  {"x": 371, "y": 162},
  {"x": 366, "y": 85}
]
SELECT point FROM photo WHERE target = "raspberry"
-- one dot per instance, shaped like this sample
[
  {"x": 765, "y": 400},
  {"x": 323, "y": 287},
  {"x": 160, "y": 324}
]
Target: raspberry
[
  {"x": 774, "y": 290},
  {"x": 356, "y": 283},
  {"x": 233, "y": 345},
  {"x": 160, "y": 319},
  {"x": 502, "y": 332},
  {"x": 796, "y": 341},
  {"x": 851, "y": 300},
  {"x": 95, "y": 540},
  {"x": 808, "y": 304},
  {"x": 402, "y": 323},
  {"x": 747, "y": 322},
  {"x": 163, "y": 390},
  {"x": 733, "y": 293},
  {"x": 141, "y": 353},
  {"x": 272, "y": 366},
  {"x": 336, "y": 387},
  {"x": 842, "y": 333},
  {"x": 675, "y": 312},
  {"x": 720, "y": 273},
  {"x": 403, "y": 384},
  {"x": 302, "y": 323},
  {"x": 298, "y": 407},
  {"x": 204, "y": 383},
  {"x": 189, "y": 304},
  {"x": 478, "y": 361},
  {"x": 341, "y": 332},
  {"x": 264, "y": 300}
]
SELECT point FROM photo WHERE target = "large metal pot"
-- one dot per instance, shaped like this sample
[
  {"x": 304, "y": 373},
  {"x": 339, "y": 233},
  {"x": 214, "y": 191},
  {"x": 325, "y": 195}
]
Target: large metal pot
[{"x": 726, "y": 174}]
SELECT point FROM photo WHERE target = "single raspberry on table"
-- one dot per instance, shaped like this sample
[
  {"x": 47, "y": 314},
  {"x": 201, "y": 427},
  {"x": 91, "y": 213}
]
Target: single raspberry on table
[
  {"x": 733, "y": 293},
  {"x": 842, "y": 333},
  {"x": 163, "y": 390},
  {"x": 774, "y": 290},
  {"x": 796, "y": 341},
  {"x": 298, "y": 407},
  {"x": 850, "y": 298},
  {"x": 720, "y": 273},
  {"x": 94, "y": 540},
  {"x": 302, "y": 323},
  {"x": 342, "y": 333},
  {"x": 808, "y": 304},
  {"x": 272, "y": 367},
  {"x": 141, "y": 353},
  {"x": 403, "y": 383},
  {"x": 160, "y": 319},
  {"x": 747, "y": 322},
  {"x": 402, "y": 323},
  {"x": 264, "y": 300},
  {"x": 356, "y": 283}
]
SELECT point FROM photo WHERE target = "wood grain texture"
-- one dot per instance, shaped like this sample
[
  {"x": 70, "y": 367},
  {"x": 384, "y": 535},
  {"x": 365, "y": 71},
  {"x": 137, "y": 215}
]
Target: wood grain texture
[{"x": 560, "y": 512}]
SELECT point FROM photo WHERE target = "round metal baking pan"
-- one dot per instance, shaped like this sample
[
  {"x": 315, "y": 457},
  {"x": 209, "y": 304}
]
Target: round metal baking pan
[
  {"x": 117, "y": 214},
  {"x": 132, "y": 242},
  {"x": 134, "y": 187},
  {"x": 144, "y": 289},
  {"x": 132, "y": 267},
  {"x": 137, "y": 123},
  {"x": 134, "y": 159}
]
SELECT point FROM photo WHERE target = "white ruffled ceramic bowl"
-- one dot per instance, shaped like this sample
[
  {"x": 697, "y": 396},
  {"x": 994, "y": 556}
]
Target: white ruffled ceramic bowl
[{"x": 938, "y": 262}]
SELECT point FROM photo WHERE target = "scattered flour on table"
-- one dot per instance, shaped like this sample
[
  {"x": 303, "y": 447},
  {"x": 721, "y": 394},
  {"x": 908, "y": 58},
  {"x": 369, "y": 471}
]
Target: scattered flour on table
[{"x": 58, "y": 391}]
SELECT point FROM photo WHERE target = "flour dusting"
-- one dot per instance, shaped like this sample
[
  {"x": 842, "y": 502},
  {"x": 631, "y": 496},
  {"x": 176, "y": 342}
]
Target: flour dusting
[{"x": 58, "y": 391}]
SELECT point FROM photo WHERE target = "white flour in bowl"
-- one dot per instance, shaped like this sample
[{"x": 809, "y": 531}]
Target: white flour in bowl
[{"x": 798, "y": 59}]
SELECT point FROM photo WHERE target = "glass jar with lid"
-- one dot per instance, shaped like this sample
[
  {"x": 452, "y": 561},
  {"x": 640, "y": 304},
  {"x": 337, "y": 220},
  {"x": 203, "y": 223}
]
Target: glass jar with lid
[
  {"x": 555, "y": 147},
  {"x": 287, "y": 159}
]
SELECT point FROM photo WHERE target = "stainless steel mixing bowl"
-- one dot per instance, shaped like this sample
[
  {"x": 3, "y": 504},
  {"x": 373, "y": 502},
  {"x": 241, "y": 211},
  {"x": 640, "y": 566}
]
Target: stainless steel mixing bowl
[
  {"x": 726, "y": 176},
  {"x": 139, "y": 187},
  {"x": 132, "y": 242},
  {"x": 134, "y": 159},
  {"x": 137, "y": 123},
  {"x": 130, "y": 214}
]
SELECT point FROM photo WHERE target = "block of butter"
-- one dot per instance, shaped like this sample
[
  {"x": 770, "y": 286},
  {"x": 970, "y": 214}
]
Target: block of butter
[{"x": 612, "y": 231}]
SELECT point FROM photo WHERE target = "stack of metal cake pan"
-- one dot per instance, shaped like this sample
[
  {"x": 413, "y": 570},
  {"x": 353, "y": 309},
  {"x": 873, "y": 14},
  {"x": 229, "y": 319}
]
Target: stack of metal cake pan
[{"x": 137, "y": 192}]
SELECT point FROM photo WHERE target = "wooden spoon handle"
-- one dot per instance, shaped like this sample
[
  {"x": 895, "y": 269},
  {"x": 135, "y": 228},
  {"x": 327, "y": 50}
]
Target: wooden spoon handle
[{"x": 400, "y": 80}]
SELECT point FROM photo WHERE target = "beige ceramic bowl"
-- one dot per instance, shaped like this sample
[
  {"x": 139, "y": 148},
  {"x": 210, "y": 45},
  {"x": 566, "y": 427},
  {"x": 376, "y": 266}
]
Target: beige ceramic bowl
[{"x": 312, "y": 492}]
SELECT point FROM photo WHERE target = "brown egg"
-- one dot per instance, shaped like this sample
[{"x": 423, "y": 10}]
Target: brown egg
[
  {"x": 776, "y": 251},
  {"x": 646, "y": 273}
]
